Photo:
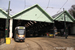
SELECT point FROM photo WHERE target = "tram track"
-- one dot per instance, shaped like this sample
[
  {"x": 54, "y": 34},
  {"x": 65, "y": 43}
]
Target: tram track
[
  {"x": 46, "y": 46},
  {"x": 28, "y": 46},
  {"x": 55, "y": 42},
  {"x": 68, "y": 42},
  {"x": 61, "y": 42},
  {"x": 52, "y": 43},
  {"x": 47, "y": 43},
  {"x": 20, "y": 46},
  {"x": 43, "y": 44},
  {"x": 37, "y": 44}
]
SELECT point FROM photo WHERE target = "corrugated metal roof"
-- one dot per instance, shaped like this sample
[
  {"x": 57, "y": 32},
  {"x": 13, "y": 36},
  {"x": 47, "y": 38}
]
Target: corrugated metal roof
[{"x": 34, "y": 13}]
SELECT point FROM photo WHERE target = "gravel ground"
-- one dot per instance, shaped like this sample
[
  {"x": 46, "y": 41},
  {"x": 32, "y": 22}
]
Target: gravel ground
[{"x": 41, "y": 43}]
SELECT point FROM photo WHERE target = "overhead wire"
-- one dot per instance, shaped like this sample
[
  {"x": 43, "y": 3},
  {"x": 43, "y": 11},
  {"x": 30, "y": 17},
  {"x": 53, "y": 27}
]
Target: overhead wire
[
  {"x": 47, "y": 5},
  {"x": 24, "y": 4},
  {"x": 62, "y": 6}
]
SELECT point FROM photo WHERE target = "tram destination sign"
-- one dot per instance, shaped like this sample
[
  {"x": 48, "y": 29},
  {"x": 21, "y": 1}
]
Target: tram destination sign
[{"x": 21, "y": 27}]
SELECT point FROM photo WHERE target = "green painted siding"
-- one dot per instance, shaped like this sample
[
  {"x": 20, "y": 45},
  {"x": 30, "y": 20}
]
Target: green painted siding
[
  {"x": 68, "y": 17},
  {"x": 2, "y": 15},
  {"x": 61, "y": 18},
  {"x": 34, "y": 14}
]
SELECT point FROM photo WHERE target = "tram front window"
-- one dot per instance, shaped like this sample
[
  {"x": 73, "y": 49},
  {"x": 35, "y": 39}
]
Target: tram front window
[{"x": 21, "y": 32}]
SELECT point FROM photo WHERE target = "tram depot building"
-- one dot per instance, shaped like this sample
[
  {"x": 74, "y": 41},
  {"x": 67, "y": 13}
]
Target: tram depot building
[{"x": 36, "y": 21}]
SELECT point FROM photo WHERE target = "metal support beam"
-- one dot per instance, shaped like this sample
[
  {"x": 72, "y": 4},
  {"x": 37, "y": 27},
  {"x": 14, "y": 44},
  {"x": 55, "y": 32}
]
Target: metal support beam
[{"x": 65, "y": 27}]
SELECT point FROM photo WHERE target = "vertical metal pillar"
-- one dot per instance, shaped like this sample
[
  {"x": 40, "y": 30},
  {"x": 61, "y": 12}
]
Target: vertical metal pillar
[
  {"x": 65, "y": 28},
  {"x": 53, "y": 26},
  {"x": 10, "y": 33},
  {"x": 7, "y": 20}
]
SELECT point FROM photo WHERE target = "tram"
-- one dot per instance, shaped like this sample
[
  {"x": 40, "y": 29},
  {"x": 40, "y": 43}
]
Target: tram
[{"x": 19, "y": 33}]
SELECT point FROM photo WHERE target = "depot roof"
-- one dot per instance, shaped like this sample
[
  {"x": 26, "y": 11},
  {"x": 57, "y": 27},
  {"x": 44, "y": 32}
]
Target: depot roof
[
  {"x": 3, "y": 14},
  {"x": 60, "y": 16},
  {"x": 33, "y": 13}
]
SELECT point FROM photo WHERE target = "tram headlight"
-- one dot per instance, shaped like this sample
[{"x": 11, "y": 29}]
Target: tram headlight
[{"x": 21, "y": 36}]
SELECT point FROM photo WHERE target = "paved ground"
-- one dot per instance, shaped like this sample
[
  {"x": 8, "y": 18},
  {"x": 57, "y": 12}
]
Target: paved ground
[
  {"x": 41, "y": 43},
  {"x": 1, "y": 41}
]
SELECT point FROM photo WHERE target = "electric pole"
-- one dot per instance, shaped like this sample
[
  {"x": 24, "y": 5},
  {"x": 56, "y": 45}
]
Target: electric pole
[{"x": 7, "y": 22}]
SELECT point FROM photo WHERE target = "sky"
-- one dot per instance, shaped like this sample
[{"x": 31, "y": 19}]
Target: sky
[{"x": 54, "y": 5}]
